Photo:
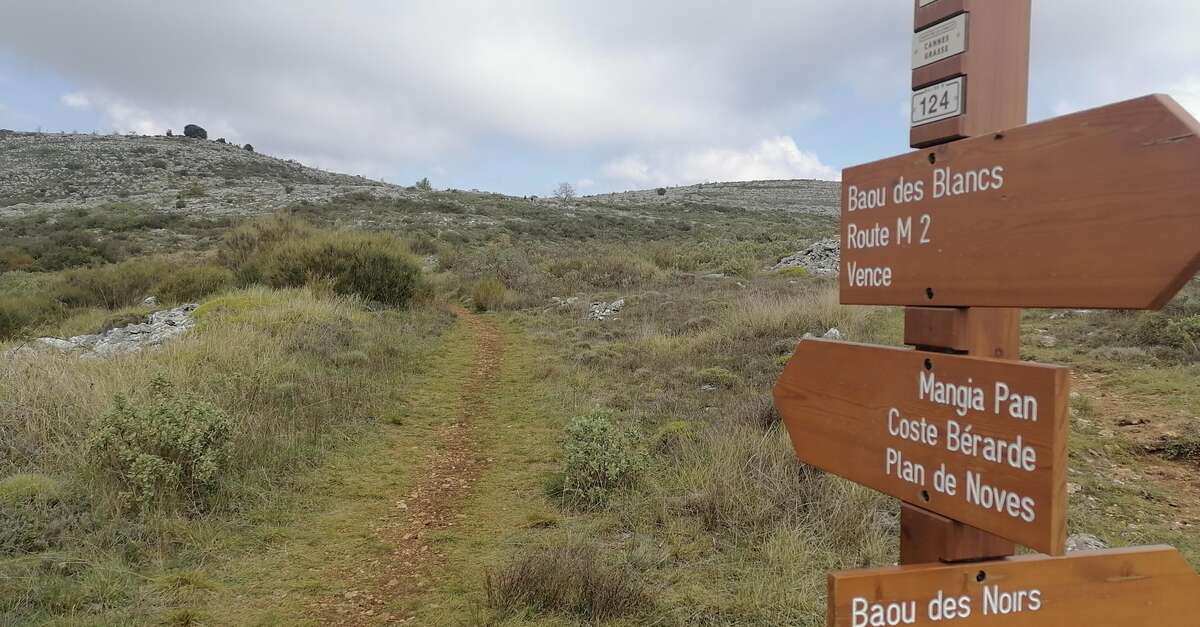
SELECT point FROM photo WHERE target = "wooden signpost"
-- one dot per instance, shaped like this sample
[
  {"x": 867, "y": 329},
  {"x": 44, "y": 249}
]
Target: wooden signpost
[
  {"x": 1099, "y": 209},
  {"x": 982, "y": 441},
  {"x": 1119, "y": 588}
]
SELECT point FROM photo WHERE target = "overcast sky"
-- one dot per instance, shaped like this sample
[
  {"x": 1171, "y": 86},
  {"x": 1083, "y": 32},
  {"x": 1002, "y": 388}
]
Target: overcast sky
[{"x": 516, "y": 96}]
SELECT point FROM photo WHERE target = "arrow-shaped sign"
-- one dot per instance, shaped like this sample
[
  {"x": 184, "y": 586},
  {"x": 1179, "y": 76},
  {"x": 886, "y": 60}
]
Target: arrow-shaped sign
[
  {"x": 981, "y": 441},
  {"x": 1118, "y": 588},
  {"x": 1099, "y": 209}
]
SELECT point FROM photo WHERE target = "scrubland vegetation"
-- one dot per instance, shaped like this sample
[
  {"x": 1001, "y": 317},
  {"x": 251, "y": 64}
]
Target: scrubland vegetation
[{"x": 642, "y": 475}]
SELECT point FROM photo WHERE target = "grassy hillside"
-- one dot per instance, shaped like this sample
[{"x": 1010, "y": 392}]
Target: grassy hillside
[{"x": 469, "y": 445}]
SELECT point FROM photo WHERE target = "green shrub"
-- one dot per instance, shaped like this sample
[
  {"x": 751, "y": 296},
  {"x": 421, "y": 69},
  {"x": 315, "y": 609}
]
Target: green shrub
[
  {"x": 171, "y": 449},
  {"x": 31, "y": 519},
  {"x": 375, "y": 267},
  {"x": 607, "y": 271},
  {"x": 572, "y": 577},
  {"x": 28, "y": 487},
  {"x": 489, "y": 294},
  {"x": 718, "y": 377},
  {"x": 244, "y": 249},
  {"x": 191, "y": 283},
  {"x": 599, "y": 458},
  {"x": 113, "y": 286},
  {"x": 1182, "y": 447},
  {"x": 19, "y": 312},
  {"x": 1158, "y": 329}
]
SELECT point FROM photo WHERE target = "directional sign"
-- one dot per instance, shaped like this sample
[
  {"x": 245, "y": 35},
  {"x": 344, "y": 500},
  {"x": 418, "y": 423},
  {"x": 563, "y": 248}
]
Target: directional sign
[
  {"x": 1099, "y": 209},
  {"x": 1119, "y": 588},
  {"x": 980, "y": 441}
]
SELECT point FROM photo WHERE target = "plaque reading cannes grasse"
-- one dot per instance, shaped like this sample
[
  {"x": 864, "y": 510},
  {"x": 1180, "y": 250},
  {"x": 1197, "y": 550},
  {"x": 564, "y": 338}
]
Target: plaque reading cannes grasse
[
  {"x": 980, "y": 441},
  {"x": 1118, "y": 588},
  {"x": 940, "y": 41},
  {"x": 1098, "y": 209}
]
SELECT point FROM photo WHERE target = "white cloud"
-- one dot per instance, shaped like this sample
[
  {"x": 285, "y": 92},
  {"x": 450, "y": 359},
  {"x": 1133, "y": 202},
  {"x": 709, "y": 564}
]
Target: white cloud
[
  {"x": 772, "y": 158},
  {"x": 392, "y": 83},
  {"x": 1187, "y": 92},
  {"x": 76, "y": 100}
]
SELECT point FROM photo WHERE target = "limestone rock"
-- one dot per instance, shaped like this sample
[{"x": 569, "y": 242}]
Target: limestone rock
[{"x": 822, "y": 258}]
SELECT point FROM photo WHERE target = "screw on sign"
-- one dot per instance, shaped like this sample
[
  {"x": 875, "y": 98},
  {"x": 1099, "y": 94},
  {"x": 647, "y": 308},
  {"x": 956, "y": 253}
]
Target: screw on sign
[{"x": 1098, "y": 209}]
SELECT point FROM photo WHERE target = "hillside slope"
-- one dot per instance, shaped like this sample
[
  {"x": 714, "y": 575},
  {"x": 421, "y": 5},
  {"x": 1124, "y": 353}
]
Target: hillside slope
[
  {"x": 59, "y": 171},
  {"x": 801, "y": 196}
]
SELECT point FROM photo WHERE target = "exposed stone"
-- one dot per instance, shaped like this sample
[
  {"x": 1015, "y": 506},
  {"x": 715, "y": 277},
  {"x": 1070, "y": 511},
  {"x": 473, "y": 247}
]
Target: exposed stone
[
  {"x": 833, "y": 334},
  {"x": 822, "y": 258},
  {"x": 158, "y": 328},
  {"x": 606, "y": 311},
  {"x": 1085, "y": 542}
]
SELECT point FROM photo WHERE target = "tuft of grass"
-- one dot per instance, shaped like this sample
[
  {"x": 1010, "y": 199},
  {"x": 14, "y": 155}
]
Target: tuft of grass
[
  {"x": 489, "y": 294},
  {"x": 571, "y": 578}
]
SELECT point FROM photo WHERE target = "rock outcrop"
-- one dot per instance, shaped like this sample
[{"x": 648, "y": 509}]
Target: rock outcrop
[
  {"x": 157, "y": 329},
  {"x": 822, "y": 258}
]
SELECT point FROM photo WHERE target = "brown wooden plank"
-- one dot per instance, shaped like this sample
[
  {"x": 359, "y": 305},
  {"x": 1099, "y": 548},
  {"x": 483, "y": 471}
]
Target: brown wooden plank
[
  {"x": 840, "y": 402},
  {"x": 927, "y": 538},
  {"x": 980, "y": 331},
  {"x": 1117, "y": 588},
  {"x": 1097, "y": 209}
]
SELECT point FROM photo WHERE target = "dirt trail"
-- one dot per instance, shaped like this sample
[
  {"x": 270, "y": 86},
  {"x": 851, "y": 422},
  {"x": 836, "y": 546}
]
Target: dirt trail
[{"x": 455, "y": 462}]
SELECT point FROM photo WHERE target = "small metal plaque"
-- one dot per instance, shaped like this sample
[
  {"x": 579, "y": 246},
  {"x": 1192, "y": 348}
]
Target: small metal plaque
[
  {"x": 926, "y": 3},
  {"x": 940, "y": 41},
  {"x": 938, "y": 102}
]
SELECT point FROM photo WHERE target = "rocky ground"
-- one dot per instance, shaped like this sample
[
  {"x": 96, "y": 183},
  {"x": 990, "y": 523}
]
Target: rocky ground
[
  {"x": 802, "y": 196},
  {"x": 50, "y": 172}
]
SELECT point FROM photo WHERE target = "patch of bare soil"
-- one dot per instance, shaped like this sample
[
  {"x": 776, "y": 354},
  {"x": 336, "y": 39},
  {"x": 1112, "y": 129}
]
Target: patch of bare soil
[
  {"x": 1144, "y": 424},
  {"x": 456, "y": 460}
]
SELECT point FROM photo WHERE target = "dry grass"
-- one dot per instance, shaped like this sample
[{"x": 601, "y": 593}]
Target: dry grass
[{"x": 572, "y": 578}]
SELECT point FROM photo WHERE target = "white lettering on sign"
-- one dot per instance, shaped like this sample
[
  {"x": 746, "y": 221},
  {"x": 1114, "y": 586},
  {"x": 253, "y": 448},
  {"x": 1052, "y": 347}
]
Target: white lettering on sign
[
  {"x": 963, "y": 398},
  {"x": 945, "y": 607},
  {"x": 940, "y": 41},
  {"x": 998, "y": 499},
  {"x": 868, "y": 276},
  {"x": 938, "y": 102},
  {"x": 867, "y": 614}
]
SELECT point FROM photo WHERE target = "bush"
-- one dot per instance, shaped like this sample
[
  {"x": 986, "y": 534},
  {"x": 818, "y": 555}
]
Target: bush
[
  {"x": 245, "y": 249},
  {"x": 375, "y": 267},
  {"x": 718, "y": 377},
  {"x": 30, "y": 516},
  {"x": 21, "y": 311},
  {"x": 1158, "y": 329},
  {"x": 191, "y": 283},
  {"x": 489, "y": 294},
  {"x": 569, "y": 578},
  {"x": 112, "y": 286},
  {"x": 173, "y": 448},
  {"x": 599, "y": 459},
  {"x": 607, "y": 271},
  {"x": 662, "y": 191},
  {"x": 423, "y": 185}
]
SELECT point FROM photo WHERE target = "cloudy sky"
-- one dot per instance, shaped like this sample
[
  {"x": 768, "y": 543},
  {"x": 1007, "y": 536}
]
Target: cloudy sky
[{"x": 517, "y": 96}]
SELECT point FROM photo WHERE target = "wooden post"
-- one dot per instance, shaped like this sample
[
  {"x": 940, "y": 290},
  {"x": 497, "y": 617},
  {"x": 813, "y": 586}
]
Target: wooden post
[{"x": 996, "y": 69}]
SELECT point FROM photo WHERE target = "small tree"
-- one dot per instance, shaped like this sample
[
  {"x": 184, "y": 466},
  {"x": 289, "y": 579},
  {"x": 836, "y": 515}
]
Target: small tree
[
  {"x": 564, "y": 191},
  {"x": 424, "y": 185}
]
